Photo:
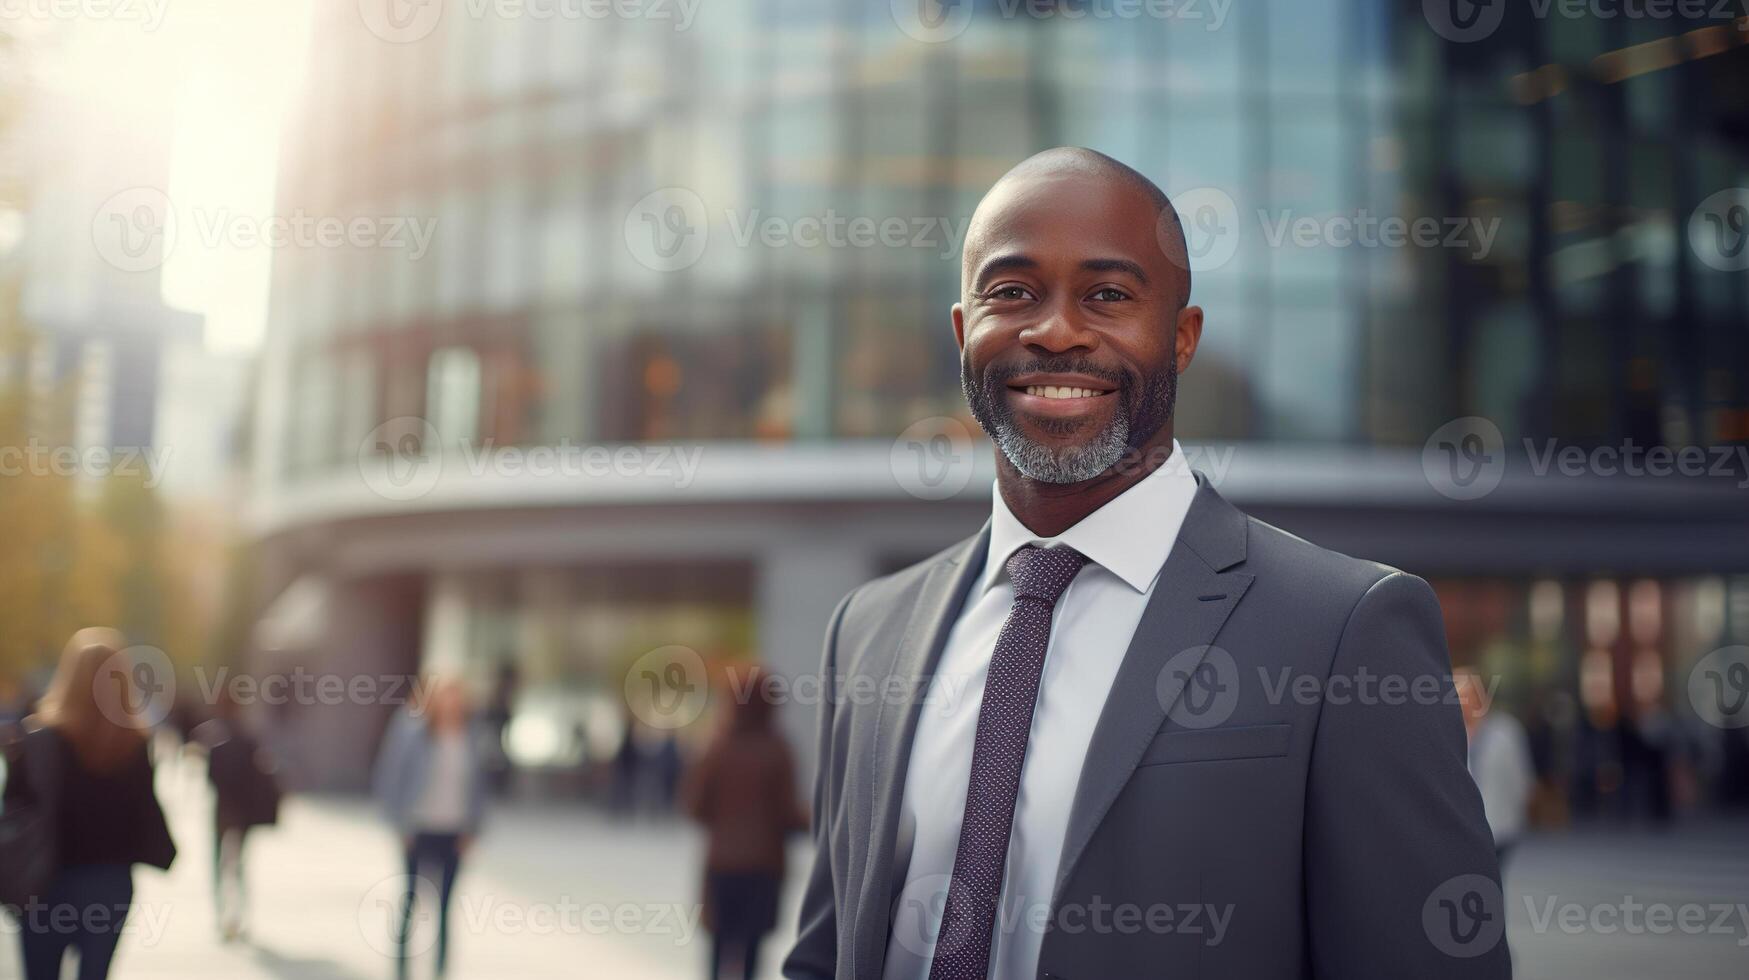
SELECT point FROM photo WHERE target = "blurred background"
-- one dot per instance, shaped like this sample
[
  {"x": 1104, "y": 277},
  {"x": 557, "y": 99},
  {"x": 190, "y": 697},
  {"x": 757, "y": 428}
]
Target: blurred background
[{"x": 590, "y": 350}]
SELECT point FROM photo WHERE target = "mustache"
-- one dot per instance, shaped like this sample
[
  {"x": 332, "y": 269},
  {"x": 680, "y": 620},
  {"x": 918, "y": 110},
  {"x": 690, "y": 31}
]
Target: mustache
[{"x": 997, "y": 375}]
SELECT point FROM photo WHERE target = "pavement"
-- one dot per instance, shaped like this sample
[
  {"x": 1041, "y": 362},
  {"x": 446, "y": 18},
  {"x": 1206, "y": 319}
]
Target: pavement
[
  {"x": 551, "y": 891},
  {"x": 1627, "y": 905},
  {"x": 560, "y": 891}
]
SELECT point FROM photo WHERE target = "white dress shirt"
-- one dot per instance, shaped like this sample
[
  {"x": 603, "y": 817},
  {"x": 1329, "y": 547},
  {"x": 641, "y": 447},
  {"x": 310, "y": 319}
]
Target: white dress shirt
[{"x": 1126, "y": 542}]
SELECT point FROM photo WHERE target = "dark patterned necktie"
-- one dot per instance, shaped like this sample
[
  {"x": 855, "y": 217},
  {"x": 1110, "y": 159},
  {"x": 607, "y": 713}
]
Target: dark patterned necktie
[{"x": 962, "y": 947}]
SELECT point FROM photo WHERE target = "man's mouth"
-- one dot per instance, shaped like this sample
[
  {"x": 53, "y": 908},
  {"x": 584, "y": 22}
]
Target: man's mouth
[
  {"x": 1062, "y": 391},
  {"x": 1061, "y": 396}
]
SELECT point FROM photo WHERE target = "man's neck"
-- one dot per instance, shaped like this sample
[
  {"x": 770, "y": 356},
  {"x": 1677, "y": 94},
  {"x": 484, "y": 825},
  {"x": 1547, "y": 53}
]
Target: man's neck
[{"x": 1049, "y": 509}]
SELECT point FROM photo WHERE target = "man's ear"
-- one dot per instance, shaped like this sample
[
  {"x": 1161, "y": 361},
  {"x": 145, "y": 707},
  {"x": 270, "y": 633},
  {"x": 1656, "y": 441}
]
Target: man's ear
[
  {"x": 959, "y": 326},
  {"x": 1188, "y": 335}
]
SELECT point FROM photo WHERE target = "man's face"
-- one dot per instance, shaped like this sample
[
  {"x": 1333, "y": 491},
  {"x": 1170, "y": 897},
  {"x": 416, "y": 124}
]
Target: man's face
[{"x": 1067, "y": 325}]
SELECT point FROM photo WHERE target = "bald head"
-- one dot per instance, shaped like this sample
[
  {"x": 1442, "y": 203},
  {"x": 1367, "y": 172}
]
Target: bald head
[{"x": 1062, "y": 171}]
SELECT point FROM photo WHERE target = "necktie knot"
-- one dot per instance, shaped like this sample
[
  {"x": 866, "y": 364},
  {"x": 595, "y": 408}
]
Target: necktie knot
[{"x": 1043, "y": 573}]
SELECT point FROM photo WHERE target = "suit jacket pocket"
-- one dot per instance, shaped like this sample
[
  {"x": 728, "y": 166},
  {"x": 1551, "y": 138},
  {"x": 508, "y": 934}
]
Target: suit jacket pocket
[{"x": 1215, "y": 744}]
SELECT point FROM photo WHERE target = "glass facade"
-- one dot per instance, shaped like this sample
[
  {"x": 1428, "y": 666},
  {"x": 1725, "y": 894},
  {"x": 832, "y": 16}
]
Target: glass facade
[
  {"x": 748, "y": 231},
  {"x": 1560, "y": 168}
]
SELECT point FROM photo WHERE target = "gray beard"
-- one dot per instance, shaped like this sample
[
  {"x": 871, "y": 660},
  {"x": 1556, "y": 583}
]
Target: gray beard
[
  {"x": 1073, "y": 464},
  {"x": 1151, "y": 406}
]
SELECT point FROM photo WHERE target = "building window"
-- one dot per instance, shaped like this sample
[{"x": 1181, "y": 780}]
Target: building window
[{"x": 452, "y": 402}]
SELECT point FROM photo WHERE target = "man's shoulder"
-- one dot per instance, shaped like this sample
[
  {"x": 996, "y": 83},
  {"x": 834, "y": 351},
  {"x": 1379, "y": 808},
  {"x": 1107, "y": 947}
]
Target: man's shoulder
[
  {"x": 1306, "y": 583},
  {"x": 899, "y": 590},
  {"x": 1271, "y": 550},
  {"x": 1302, "y": 578}
]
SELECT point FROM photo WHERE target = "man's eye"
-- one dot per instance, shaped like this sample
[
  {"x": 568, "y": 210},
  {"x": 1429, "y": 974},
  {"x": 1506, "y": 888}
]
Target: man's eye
[
  {"x": 1110, "y": 294},
  {"x": 1007, "y": 292}
]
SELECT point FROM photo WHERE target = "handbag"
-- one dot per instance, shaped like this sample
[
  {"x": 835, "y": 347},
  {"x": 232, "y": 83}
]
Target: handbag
[
  {"x": 249, "y": 791},
  {"x": 27, "y": 832},
  {"x": 264, "y": 795}
]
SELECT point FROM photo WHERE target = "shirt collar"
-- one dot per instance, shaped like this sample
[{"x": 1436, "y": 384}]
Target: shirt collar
[{"x": 1130, "y": 536}]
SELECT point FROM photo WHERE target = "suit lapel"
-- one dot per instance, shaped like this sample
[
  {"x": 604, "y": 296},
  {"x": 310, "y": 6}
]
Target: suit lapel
[
  {"x": 932, "y": 617},
  {"x": 1195, "y": 594}
]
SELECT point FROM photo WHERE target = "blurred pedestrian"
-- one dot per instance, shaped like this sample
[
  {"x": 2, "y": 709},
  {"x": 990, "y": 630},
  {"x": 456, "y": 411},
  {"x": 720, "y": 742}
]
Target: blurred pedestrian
[
  {"x": 85, "y": 764},
  {"x": 742, "y": 790},
  {"x": 246, "y": 795},
  {"x": 1649, "y": 744},
  {"x": 666, "y": 770},
  {"x": 629, "y": 765},
  {"x": 431, "y": 781},
  {"x": 500, "y": 709},
  {"x": 1500, "y": 761}
]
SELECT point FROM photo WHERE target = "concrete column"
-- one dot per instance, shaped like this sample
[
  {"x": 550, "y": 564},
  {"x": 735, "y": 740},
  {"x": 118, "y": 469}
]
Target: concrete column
[
  {"x": 372, "y": 633},
  {"x": 800, "y": 583},
  {"x": 446, "y": 634}
]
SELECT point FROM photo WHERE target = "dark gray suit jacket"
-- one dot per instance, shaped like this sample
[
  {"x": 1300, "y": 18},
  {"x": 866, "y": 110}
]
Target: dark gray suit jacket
[{"x": 1276, "y": 787}]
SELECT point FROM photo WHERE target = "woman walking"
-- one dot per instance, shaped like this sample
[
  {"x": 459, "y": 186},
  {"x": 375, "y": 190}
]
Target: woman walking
[
  {"x": 246, "y": 795},
  {"x": 84, "y": 763},
  {"x": 431, "y": 781},
  {"x": 743, "y": 791}
]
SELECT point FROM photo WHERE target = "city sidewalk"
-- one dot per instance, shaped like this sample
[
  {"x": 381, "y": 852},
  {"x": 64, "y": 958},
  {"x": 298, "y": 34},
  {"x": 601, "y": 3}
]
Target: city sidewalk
[
  {"x": 547, "y": 892},
  {"x": 1628, "y": 905},
  {"x": 556, "y": 891}
]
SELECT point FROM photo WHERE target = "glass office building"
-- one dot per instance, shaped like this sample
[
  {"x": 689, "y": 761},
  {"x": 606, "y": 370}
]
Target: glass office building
[{"x": 732, "y": 229}]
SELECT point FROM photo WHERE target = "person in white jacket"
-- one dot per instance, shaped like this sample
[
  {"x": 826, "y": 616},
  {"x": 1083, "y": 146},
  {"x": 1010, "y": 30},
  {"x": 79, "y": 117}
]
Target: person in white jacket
[
  {"x": 431, "y": 781},
  {"x": 1500, "y": 761}
]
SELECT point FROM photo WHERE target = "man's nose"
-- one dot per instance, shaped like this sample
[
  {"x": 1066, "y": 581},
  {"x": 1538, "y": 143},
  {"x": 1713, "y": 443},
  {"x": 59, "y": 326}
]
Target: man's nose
[{"x": 1059, "y": 331}]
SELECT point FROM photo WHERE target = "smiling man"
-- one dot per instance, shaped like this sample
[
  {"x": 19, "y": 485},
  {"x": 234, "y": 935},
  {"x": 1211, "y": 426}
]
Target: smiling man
[{"x": 1126, "y": 730}]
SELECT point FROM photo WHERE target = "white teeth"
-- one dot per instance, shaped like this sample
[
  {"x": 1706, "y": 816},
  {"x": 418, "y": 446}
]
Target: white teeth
[{"x": 1059, "y": 391}]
